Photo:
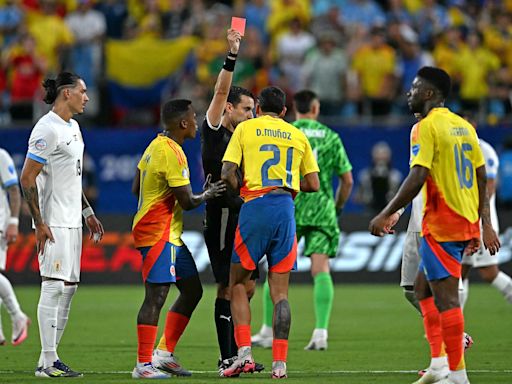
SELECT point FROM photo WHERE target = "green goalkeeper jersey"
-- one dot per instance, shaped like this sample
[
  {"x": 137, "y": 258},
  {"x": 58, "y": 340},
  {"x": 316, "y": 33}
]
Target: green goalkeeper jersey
[{"x": 318, "y": 208}]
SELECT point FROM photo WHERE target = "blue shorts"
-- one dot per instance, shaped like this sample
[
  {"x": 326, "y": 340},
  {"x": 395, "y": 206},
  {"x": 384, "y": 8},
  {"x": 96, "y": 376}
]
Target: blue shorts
[
  {"x": 440, "y": 260},
  {"x": 166, "y": 263},
  {"x": 266, "y": 226}
]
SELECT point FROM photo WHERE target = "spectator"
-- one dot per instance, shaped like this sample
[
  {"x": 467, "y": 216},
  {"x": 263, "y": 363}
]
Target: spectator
[
  {"x": 177, "y": 21},
  {"x": 88, "y": 26},
  {"x": 292, "y": 47},
  {"x": 257, "y": 13},
  {"x": 375, "y": 64},
  {"x": 379, "y": 182},
  {"x": 505, "y": 174},
  {"x": 324, "y": 72},
  {"x": 52, "y": 35},
  {"x": 363, "y": 12},
  {"x": 431, "y": 20},
  {"x": 115, "y": 13},
  {"x": 11, "y": 18}
]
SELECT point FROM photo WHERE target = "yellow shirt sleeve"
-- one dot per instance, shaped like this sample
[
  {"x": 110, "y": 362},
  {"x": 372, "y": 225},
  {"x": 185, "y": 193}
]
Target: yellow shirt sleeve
[
  {"x": 233, "y": 152},
  {"x": 176, "y": 169},
  {"x": 308, "y": 164},
  {"x": 422, "y": 145}
]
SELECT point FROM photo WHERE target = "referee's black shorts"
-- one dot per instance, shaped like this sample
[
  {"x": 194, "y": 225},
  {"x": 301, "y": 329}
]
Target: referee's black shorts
[{"x": 219, "y": 235}]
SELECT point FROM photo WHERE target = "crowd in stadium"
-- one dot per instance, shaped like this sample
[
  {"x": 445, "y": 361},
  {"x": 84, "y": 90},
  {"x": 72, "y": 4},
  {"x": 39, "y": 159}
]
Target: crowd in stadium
[{"x": 359, "y": 56}]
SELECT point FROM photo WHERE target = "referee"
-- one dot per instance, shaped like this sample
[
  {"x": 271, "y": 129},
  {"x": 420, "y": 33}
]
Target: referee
[{"x": 230, "y": 106}]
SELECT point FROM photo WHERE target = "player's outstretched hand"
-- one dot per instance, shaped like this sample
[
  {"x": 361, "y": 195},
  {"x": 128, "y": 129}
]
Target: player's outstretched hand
[
  {"x": 234, "y": 38},
  {"x": 95, "y": 227},
  {"x": 490, "y": 238},
  {"x": 43, "y": 234},
  {"x": 212, "y": 190},
  {"x": 472, "y": 247},
  {"x": 381, "y": 225}
]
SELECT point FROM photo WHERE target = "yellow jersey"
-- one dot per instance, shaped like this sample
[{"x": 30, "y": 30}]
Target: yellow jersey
[
  {"x": 159, "y": 216},
  {"x": 448, "y": 146},
  {"x": 271, "y": 153}
]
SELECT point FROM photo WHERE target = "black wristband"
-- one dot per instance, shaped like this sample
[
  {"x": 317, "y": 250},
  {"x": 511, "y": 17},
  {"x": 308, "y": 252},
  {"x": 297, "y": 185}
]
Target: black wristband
[
  {"x": 229, "y": 64},
  {"x": 231, "y": 54}
]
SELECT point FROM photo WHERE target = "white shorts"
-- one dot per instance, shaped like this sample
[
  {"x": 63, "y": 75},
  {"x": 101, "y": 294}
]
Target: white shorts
[
  {"x": 410, "y": 258},
  {"x": 3, "y": 251},
  {"x": 61, "y": 259},
  {"x": 482, "y": 258}
]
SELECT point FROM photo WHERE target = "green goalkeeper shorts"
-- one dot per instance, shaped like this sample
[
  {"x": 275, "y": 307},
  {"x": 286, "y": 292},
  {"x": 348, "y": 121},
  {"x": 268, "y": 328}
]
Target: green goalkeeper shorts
[{"x": 322, "y": 240}]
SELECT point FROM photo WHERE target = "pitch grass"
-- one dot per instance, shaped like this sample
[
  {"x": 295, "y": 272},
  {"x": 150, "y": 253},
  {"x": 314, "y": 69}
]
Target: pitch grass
[{"x": 375, "y": 337}]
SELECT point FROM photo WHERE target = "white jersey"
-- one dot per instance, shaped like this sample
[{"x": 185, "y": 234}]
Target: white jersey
[
  {"x": 492, "y": 164},
  {"x": 8, "y": 177},
  {"x": 58, "y": 145},
  {"x": 491, "y": 168}
]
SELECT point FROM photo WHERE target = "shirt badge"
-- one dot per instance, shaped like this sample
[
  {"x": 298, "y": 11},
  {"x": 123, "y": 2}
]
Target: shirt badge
[
  {"x": 40, "y": 144},
  {"x": 415, "y": 149}
]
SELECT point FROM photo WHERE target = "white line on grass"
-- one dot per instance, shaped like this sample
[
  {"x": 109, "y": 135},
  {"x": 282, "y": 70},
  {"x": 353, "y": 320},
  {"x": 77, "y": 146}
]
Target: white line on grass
[{"x": 374, "y": 372}]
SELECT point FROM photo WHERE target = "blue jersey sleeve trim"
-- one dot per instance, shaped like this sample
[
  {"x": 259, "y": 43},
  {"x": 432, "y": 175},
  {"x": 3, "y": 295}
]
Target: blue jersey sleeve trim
[
  {"x": 36, "y": 158},
  {"x": 10, "y": 182}
]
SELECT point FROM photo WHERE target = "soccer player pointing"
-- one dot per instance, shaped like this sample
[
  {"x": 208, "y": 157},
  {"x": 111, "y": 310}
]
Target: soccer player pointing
[
  {"x": 273, "y": 155},
  {"x": 447, "y": 157}
]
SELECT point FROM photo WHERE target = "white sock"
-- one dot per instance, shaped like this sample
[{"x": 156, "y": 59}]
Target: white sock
[
  {"x": 319, "y": 333},
  {"x": 459, "y": 377},
  {"x": 47, "y": 309},
  {"x": 9, "y": 298},
  {"x": 438, "y": 363},
  {"x": 64, "y": 306},
  {"x": 503, "y": 283},
  {"x": 266, "y": 331},
  {"x": 463, "y": 292}
]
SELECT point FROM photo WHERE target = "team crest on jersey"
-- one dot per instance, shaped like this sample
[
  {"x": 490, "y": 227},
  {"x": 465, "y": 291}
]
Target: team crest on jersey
[
  {"x": 41, "y": 144},
  {"x": 172, "y": 270},
  {"x": 184, "y": 173},
  {"x": 415, "y": 149}
]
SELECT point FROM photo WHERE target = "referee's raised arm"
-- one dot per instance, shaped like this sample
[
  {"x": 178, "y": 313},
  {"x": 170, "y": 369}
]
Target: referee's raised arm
[{"x": 223, "y": 84}]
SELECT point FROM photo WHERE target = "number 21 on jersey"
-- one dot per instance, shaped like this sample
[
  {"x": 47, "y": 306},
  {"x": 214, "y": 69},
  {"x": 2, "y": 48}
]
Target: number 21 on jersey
[{"x": 266, "y": 181}]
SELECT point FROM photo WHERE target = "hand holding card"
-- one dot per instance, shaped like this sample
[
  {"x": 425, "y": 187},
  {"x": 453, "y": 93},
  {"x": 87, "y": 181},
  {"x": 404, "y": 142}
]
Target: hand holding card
[{"x": 238, "y": 24}]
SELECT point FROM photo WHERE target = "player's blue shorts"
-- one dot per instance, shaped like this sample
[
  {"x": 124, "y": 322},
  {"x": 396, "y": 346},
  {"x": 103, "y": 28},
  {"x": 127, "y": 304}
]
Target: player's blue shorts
[
  {"x": 166, "y": 263},
  {"x": 440, "y": 260},
  {"x": 266, "y": 226}
]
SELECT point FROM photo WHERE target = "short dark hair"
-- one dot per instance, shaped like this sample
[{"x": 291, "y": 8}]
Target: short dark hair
[
  {"x": 272, "y": 99},
  {"x": 438, "y": 78},
  {"x": 52, "y": 87},
  {"x": 236, "y": 93},
  {"x": 303, "y": 100},
  {"x": 173, "y": 111}
]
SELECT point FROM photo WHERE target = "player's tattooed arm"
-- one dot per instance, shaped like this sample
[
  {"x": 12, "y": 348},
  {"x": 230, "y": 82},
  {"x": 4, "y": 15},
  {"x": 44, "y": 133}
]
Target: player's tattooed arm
[
  {"x": 228, "y": 175},
  {"x": 283, "y": 319},
  {"x": 29, "y": 174}
]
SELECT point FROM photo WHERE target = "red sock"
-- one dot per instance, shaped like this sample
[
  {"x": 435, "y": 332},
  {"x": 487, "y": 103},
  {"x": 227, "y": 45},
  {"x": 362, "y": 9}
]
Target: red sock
[
  {"x": 452, "y": 323},
  {"x": 175, "y": 325},
  {"x": 432, "y": 325},
  {"x": 279, "y": 350},
  {"x": 146, "y": 336},
  {"x": 243, "y": 335}
]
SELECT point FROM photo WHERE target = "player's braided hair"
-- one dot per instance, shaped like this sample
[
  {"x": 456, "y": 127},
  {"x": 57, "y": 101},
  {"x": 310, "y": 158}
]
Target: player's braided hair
[{"x": 54, "y": 86}]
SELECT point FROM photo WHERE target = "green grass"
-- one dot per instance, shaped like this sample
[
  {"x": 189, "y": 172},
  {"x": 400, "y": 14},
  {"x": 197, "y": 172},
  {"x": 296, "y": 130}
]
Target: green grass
[{"x": 375, "y": 337}]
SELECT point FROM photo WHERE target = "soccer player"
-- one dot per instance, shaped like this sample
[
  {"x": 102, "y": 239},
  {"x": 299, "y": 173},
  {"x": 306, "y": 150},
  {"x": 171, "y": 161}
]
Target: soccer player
[
  {"x": 485, "y": 263},
  {"x": 230, "y": 106},
  {"x": 316, "y": 216},
  {"x": 10, "y": 202},
  {"x": 447, "y": 157},
  {"x": 273, "y": 155},
  {"x": 162, "y": 183},
  {"x": 51, "y": 181}
]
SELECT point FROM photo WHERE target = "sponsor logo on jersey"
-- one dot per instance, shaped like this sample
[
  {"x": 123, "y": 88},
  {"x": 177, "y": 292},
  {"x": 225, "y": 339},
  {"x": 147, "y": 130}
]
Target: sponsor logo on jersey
[{"x": 40, "y": 144}]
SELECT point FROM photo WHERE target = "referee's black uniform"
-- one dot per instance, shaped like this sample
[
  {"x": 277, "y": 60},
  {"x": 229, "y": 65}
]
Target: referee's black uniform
[{"x": 222, "y": 212}]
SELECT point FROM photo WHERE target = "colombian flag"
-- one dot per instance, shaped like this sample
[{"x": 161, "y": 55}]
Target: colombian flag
[{"x": 139, "y": 70}]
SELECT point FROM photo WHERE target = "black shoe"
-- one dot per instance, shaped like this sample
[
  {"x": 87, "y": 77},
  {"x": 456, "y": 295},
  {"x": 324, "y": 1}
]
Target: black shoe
[{"x": 68, "y": 372}]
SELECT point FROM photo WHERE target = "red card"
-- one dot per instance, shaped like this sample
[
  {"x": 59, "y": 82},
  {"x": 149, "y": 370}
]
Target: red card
[{"x": 238, "y": 24}]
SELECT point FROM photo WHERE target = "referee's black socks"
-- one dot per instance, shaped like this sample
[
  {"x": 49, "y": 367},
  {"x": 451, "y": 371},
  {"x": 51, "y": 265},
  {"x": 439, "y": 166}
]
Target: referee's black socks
[{"x": 225, "y": 329}]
